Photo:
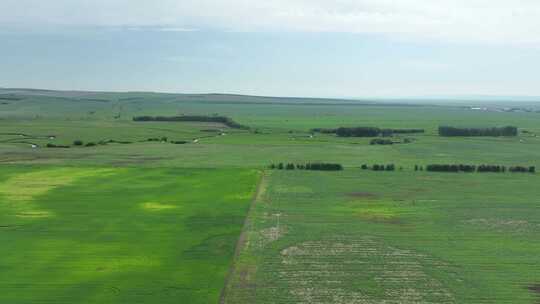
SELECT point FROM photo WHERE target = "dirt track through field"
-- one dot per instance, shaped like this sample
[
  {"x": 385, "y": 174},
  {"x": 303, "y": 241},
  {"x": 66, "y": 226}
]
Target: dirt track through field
[{"x": 242, "y": 238}]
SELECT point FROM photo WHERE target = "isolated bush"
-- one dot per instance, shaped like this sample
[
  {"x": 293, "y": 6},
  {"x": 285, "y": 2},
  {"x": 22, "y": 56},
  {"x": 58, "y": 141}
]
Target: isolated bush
[
  {"x": 90, "y": 144},
  {"x": 78, "y": 142}
]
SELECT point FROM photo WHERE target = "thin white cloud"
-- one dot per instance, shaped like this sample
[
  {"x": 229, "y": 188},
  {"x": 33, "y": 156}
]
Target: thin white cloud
[
  {"x": 177, "y": 29},
  {"x": 477, "y": 21}
]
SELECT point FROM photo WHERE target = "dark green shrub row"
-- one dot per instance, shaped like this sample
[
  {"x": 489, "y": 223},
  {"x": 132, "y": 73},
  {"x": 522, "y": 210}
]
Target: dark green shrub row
[
  {"x": 112, "y": 141},
  {"x": 365, "y": 131},
  {"x": 519, "y": 169},
  {"x": 502, "y": 131},
  {"x": 406, "y": 131},
  {"x": 378, "y": 167},
  {"x": 196, "y": 118},
  {"x": 49, "y": 145},
  {"x": 308, "y": 166},
  {"x": 163, "y": 139},
  {"x": 380, "y": 141},
  {"x": 324, "y": 131},
  {"x": 479, "y": 169}
]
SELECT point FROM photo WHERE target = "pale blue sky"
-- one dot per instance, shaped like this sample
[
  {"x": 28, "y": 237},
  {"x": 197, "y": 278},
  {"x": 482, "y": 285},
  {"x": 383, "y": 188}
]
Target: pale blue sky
[{"x": 319, "y": 48}]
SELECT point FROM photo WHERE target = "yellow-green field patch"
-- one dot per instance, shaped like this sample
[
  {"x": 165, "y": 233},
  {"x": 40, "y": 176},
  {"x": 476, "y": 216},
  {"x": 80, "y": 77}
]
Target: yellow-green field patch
[{"x": 153, "y": 206}]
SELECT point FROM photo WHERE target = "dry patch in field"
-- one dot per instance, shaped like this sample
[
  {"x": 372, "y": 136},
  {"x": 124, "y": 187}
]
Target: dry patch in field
[
  {"x": 502, "y": 225},
  {"x": 272, "y": 234},
  {"x": 357, "y": 271},
  {"x": 292, "y": 189},
  {"x": 364, "y": 195},
  {"x": 535, "y": 288}
]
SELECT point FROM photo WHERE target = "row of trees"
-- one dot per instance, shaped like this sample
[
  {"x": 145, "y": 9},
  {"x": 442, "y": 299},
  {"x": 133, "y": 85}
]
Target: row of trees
[
  {"x": 373, "y": 132},
  {"x": 501, "y": 131},
  {"x": 308, "y": 166},
  {"x": 391, "y": 167},
  {"x": 195, "y": 118},
  {"x": 365, "y": 131},
  {"x": 479, "y": 169},
  {"x": 377, "y": 167}
]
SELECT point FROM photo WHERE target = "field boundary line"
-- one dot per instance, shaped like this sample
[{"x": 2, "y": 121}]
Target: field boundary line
[{"x": 242, "y": 238}]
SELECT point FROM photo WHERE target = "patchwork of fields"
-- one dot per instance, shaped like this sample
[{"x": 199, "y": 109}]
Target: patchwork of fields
[{"x": 138, "y": 219}]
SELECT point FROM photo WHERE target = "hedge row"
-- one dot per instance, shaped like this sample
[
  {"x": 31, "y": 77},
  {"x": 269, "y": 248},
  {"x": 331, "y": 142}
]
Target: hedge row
[
  {"x": 196, "y": 118},
  {"x": 377, "y": 167},
  {"x": 502, "y": 131},
  {"x": 308, "y": 166},
  {"x": 365, "y": 131},
  {"x": 479, "y": 169}
]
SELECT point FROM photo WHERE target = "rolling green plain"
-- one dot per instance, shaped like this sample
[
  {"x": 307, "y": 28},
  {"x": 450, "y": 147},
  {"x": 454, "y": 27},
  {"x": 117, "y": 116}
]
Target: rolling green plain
[{"x": 208, "y": 222}]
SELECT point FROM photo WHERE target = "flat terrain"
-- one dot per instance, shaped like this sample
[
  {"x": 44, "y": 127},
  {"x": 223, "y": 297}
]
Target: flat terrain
[
  {"x": 368, "y": 237},
  {"x": 119, "y": 235},
  {"x": 139, "y": 221}
]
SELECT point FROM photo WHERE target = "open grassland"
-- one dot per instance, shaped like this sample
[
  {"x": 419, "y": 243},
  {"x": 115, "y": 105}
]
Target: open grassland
[
  {"x": 278, "y": 133},
  {"x": 119, "y": 235},
  {"x": 155, "y": 222},
  {"x": 366, "y": 237}
]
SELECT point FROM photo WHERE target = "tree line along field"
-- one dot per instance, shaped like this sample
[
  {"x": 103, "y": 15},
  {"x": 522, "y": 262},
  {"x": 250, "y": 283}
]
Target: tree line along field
[{"x": 150, "y": 221}]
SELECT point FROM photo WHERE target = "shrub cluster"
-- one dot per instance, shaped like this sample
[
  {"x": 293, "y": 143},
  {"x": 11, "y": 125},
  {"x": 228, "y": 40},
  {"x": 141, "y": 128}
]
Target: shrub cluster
[
  {"x": 519, "y": 169},
  {"x": 365, "y": 131},
  {"x": 380, "y": 141},
  {"x": 308, "y": 166},
  {"x": 378, "y": 167},
  {"x": 502, "y": 131},
  {"x": 324, "y": 131},
  {"x": 197, "y": 118},
  {"x": 358, "y": 132},
  {"x": 373, "y": 132}
]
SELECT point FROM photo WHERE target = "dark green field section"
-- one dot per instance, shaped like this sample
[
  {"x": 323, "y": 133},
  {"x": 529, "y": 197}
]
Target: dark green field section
[
  {"x": 119, "y": 235},
  {"x": 367, "y": 237}
]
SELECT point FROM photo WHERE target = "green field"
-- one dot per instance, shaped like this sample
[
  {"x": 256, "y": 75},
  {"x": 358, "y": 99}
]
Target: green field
[
  {"x": 156, "y": 222},
  {"x": 119, "y": 235}
]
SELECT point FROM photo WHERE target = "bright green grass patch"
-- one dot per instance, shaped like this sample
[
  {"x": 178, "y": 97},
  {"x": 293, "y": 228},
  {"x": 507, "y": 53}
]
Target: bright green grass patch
[{"x": 105, "y": 235}]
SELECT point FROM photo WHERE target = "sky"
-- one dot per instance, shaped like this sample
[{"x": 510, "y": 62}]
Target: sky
[{"x": 319, "y": 48}]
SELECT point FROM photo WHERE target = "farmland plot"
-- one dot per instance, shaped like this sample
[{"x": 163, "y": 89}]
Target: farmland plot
[
  {"x": 366, "y": 237},
  {"x": 119, "y": 235}
]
